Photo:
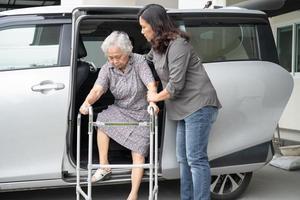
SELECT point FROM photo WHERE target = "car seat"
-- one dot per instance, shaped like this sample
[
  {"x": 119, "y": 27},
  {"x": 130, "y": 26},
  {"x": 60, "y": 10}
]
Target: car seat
[{"x": 83, "y": 67}]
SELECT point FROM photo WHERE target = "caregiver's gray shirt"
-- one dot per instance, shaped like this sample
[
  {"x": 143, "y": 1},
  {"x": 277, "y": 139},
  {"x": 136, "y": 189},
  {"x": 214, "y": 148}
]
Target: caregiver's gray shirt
[{"x": 184, "y": 77}]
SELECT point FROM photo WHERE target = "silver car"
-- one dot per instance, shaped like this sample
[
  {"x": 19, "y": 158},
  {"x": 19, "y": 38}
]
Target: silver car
[{"x": 50, "y": 57}]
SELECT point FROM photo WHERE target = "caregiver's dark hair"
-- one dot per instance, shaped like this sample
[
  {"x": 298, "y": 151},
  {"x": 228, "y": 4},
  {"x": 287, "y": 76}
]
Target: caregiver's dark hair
[{"x": 162, "y": 25}]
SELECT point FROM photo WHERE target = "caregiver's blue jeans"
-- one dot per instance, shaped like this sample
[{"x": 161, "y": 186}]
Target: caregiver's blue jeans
[{"x": 191, "y": 149}]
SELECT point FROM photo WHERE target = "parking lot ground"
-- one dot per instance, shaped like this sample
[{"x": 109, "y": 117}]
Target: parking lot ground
[
  {"x": 271, "y": 183},
  {"x": 268, "y": 183}
]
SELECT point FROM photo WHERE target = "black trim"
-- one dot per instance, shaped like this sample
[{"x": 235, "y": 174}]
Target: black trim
[
  {"x": 223, "y": 20},
  {"x": 234, "y": 18},
  {"x": 268, "y": 50},
  {"x": 221, "y": 17},
  {"x": 65, "y": 45},
  {"x": 33, "y": 19},
  {"x": 14, "y": 4},
  {"x": 255, "y": 154},
  {"x": 271, "y": 7},
  {"x": 261, "y": 4},
  {"x": 110, "y": 10},
  {"x": 289, "y": 6}
]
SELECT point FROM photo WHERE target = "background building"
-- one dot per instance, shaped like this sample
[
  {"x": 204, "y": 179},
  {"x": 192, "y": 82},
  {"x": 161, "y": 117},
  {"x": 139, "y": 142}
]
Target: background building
[{"x": 286, "y": 30}]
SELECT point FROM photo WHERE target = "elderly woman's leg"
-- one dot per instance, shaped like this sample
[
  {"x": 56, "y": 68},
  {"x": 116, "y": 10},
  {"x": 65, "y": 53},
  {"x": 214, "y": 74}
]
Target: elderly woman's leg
[
  {"x": 136, "y": 175},
  {"x": 103, "y": 145}
]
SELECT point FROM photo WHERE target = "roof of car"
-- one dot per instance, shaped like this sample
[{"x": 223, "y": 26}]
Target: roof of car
[{"x": 69, "y": 9}]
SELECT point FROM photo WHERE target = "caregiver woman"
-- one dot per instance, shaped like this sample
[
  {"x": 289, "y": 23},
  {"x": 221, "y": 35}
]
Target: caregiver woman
[{"x": 189, "y": 96}]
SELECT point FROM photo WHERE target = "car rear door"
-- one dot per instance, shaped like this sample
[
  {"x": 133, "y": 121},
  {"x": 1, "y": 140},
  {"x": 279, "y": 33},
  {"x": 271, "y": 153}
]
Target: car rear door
[
  {"x": 34, "y": 93},
  {"x": 239, "y": 54}
]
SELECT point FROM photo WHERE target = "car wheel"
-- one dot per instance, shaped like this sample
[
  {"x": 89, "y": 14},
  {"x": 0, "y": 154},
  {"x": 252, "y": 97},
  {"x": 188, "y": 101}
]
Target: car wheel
[{"x": 229, "y": 186}]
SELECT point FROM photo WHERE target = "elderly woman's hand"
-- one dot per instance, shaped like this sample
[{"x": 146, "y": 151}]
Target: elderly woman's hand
[
  {"x": 84, "y": 108},
  {"x": 154, "y": 106}
]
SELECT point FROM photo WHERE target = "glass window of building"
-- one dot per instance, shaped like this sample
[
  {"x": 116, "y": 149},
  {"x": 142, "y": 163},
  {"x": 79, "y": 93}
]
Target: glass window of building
[
  {"x": 297, "y": 57},
  {"x": 284, "y": 46}
]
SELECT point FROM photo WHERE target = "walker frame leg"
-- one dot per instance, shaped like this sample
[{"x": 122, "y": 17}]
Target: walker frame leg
[{"x": 153, "y": 155}]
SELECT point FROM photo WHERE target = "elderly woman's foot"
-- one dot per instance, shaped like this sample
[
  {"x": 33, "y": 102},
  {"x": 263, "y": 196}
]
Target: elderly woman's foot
[
  {"x": 101, "y": 175},
  {"x": 132, "y": 197}
]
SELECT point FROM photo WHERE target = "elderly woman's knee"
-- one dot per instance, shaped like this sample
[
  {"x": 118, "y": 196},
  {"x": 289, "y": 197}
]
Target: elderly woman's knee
[{"x": 137, "y": 158}]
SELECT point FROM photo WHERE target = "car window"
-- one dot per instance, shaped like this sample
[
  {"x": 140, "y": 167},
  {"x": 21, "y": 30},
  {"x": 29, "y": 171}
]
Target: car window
[
  {"x": 223, "y": 42},
  {"x": 93, "y": 32},
  {"x": 32, "y": 46},
  {"x": 94, "y": 52}
]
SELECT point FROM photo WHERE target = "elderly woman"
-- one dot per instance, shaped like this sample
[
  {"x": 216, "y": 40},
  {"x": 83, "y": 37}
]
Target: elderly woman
[{"x": 128, "y": 77}]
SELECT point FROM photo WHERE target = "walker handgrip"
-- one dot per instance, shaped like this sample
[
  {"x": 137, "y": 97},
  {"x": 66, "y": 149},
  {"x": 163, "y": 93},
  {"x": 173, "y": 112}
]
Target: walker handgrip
[{"x": 150, "y": 110}]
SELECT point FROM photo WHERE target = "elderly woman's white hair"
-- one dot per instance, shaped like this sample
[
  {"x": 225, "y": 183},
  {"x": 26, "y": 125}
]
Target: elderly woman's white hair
[{"x": 117, "y": 39}]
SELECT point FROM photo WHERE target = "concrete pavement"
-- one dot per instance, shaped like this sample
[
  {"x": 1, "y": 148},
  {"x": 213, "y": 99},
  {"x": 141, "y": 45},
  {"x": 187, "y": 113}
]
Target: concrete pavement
[{"x": 268, "y": 183}]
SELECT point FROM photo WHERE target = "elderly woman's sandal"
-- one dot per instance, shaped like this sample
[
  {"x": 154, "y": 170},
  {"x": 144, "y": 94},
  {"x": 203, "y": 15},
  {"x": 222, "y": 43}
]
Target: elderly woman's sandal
[{"x": 101, "y": 175}]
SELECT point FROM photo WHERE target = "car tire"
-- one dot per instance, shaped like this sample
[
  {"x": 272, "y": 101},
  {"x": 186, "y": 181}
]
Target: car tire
[{"x": 229, "y": 186}]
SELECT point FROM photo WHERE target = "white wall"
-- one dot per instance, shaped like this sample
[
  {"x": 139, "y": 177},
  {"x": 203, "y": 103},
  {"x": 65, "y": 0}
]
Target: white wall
[
  {"x": 165, "y": 3},
  {"x": 186, "y": 4},
  {"x": 290, "y": 120},
  {"x": 99, "y": 2}
]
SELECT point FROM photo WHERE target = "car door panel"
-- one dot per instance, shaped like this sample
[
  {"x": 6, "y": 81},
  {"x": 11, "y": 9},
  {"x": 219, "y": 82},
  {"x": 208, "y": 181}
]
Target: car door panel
[
  {"x": 34, "y": 93},
  {"x": 35, "y": 123}
]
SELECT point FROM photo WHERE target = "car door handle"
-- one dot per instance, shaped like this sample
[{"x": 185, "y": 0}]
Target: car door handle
[{"x": 46, "y": 86}]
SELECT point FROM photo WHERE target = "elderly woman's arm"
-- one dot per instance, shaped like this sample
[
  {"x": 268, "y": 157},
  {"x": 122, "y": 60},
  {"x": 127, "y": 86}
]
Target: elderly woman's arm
[
  {"x": 156, "y": 97},
  {"x": 95, "y": 93},
  {"x": 152, "y": 88}
]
